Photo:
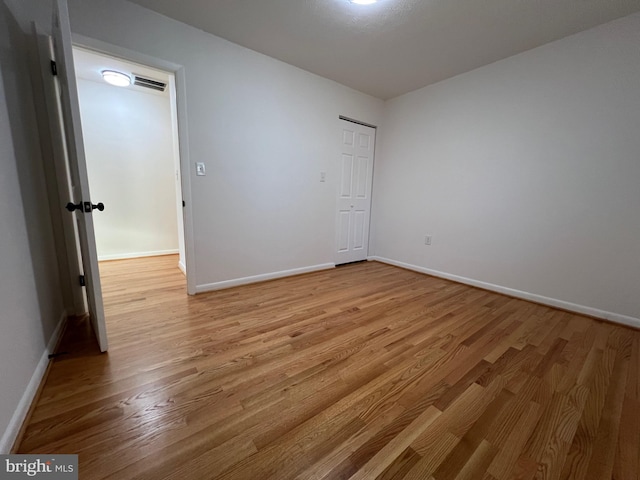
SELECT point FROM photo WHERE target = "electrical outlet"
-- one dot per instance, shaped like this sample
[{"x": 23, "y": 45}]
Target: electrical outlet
[
  {"x": 323, "y": 177},
  {"x": 200, "y": 169},
  {"x": 427, "y": 240}
]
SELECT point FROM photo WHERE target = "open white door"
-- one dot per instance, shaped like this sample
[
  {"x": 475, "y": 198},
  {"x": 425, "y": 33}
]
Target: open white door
[{"x": 81, "y": 200}]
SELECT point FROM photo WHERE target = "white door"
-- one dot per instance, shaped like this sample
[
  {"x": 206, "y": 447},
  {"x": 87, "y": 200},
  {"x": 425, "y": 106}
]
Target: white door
[
  {"x": 78, "y": 168},
  {"x": 354, "y": 196}
]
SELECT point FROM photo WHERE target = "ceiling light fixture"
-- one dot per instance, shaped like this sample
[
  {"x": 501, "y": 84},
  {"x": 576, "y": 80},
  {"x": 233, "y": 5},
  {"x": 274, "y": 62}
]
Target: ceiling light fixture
[
  {"x": 118, "y": 79},
  {"x": 363, "y": 2}
]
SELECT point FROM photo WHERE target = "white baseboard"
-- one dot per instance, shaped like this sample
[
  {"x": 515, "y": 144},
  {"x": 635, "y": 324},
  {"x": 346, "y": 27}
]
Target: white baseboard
[
  {"x": 182, "y": 267},
  {"x": 209, "y": 287},
  {"x": 124, "y": 256},
  {"x": 15, "y": 424},
  {"x": 552, "y": 302}
]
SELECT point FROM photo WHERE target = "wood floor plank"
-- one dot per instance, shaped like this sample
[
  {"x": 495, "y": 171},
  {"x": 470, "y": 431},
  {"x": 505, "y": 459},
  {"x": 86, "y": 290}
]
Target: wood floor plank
[
  {"x": 399, "y": 468},
  {"x": 504, "y": 462},
  {"x": 328, "y": 467},
  {"x": 392, "y": 450},
  {"x": 605, "y": 444},
  {"x": 366, "y": 371},
  {"x": 474, "y": 442}
]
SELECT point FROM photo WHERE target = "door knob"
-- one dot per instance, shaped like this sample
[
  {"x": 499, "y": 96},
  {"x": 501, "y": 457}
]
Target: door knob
[
  {"x": 88, "y": 207},
  {"x": 72, "y": 206}
]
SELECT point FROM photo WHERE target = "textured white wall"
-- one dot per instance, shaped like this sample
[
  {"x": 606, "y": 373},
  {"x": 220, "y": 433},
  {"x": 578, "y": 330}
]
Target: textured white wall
[
  {"x": 130, "y": 159},
  {"x": 265, "y": 131},
  {"x": 30, "y": 297},
  {"x": 526, "y": 172}
]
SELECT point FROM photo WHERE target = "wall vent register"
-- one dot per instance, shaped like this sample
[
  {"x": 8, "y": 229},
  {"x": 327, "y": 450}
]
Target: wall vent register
[{"x": 149, "y": 83}]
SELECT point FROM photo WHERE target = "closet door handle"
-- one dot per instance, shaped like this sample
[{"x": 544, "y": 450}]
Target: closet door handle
[
  {"x": 86, "y": 207},
  {"x": 73, "y": 206},
  {"x": 89, "y": 207}
]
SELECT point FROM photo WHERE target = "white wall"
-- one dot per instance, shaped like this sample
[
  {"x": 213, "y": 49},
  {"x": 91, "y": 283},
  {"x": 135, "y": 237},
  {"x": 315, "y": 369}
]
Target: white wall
[
  {"x": 30, "y": 298},
  {"x": 526, "y": 172},
  {"x": 264, "y": 129},
  {"x": 130, "y": 159}
]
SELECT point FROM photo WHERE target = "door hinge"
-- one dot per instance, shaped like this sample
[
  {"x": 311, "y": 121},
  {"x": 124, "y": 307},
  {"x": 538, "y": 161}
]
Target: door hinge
[
  {"x": 54, "y": 68},
  {"x": 83, "y": 282},
  {"x": 184, "y": 204}
]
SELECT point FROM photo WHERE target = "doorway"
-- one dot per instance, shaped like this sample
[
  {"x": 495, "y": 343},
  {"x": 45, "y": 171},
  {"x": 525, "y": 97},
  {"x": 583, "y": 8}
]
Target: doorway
[{"x": 132, "y": 156}]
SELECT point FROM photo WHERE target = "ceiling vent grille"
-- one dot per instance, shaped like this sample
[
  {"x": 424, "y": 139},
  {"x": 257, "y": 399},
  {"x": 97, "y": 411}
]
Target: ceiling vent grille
[{"x": 149, "y": 83}]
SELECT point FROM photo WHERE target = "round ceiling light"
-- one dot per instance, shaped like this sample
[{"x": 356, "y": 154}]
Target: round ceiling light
[
  {"x": 118, "y": 79},
  {"x": 363, "y": 2}
]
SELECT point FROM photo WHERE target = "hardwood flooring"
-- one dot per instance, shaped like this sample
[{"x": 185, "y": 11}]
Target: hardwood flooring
[{"x": 363, "y": 372}]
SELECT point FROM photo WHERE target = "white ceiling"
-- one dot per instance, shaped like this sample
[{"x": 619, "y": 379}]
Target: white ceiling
[{"x": 394, "y": 46}]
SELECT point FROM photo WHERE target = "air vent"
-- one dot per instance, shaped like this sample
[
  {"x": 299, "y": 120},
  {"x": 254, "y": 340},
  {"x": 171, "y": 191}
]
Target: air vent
[{"x": 148, "y": 83}]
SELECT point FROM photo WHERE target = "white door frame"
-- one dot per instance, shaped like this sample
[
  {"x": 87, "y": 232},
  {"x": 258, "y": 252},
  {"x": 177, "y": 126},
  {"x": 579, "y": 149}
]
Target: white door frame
[{"x": 183, "y": 138}]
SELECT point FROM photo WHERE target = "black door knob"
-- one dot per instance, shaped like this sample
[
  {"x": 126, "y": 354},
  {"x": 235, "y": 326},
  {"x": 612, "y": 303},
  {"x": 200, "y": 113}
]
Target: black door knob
[
  {"x": 88, "y": 207},
  {"x": 73, "y": 207}
]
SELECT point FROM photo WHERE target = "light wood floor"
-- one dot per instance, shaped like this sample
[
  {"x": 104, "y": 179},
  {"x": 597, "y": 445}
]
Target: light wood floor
[{"x": 364, "y": 372}]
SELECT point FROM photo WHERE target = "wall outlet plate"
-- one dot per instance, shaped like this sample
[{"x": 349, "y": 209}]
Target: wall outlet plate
[{"x": 200, "y": 169}]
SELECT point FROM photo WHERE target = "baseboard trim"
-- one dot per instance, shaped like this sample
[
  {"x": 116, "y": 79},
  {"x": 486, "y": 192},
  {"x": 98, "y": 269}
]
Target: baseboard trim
[
  {"x": 532, "y": 297},
  {"x": 125, "y": 256},
  {"x": 182, "y": 267},
  {"x": 209, "y": 287},
  {"x": 14, "y": 430}
]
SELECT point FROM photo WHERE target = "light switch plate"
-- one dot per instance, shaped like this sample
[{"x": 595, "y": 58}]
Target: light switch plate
[{"x": 200, "y": 169}]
